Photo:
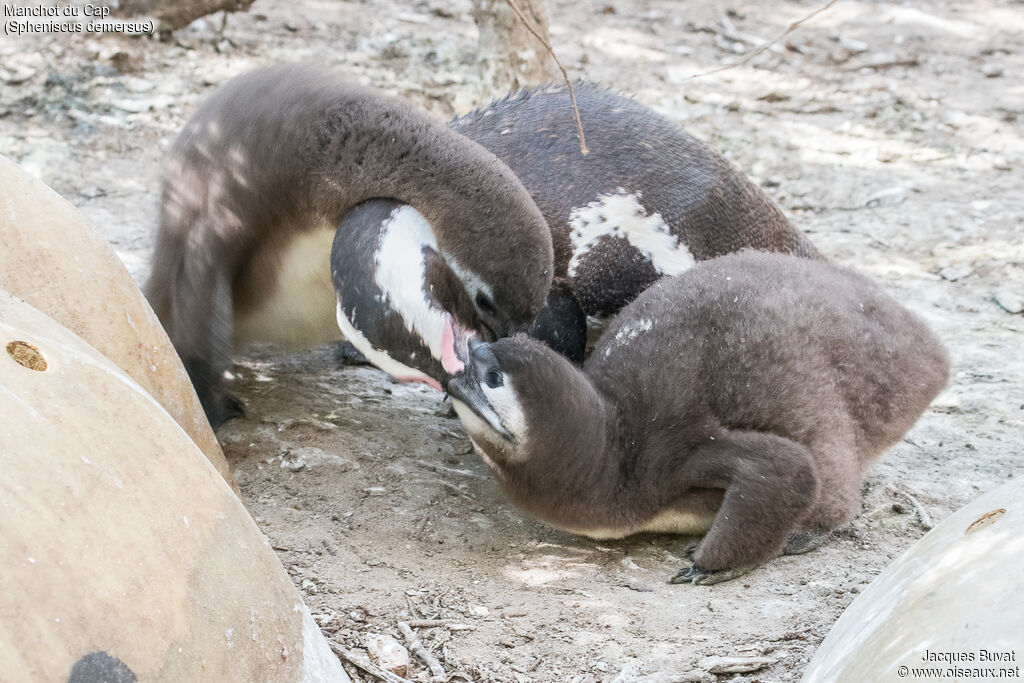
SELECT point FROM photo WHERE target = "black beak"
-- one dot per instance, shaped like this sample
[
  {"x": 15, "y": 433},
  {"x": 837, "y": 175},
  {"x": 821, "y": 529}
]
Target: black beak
[{"x": 465, "y": 388}]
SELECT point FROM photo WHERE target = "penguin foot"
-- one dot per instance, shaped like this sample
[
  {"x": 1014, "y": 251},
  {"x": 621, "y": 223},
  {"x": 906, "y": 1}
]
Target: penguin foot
[
  {"x": 228, "y": 408},
  {"x": 805, "y": 540},
  {"x": 233, "y": 407},
  {"x": 699, "y": 576},
  {"x": 348, "y": 355}
]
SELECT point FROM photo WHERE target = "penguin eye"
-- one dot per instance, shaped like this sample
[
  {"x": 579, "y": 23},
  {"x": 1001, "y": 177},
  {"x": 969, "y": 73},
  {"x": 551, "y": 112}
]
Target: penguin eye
[
  {"x": 494, "y": 379},
  {"x": 484, "y": 303}
]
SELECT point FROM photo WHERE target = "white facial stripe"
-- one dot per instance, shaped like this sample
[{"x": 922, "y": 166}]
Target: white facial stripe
[
  {"x": 621, "y": 215},
  {"x": 506, "y": 404},
  {"x": 477, "y": 426},
  {"x": 380, "y": 358},
  {"x": 400, "y": 274}
]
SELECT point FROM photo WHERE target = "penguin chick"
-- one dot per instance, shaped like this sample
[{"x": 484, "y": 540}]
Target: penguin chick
[{"x": 743, "y": 400}]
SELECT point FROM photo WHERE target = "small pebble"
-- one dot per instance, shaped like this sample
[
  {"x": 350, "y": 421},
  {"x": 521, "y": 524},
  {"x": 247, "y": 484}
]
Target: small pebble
[
  {"x": 1011, "y": 302},
  {"x": 17, "y": 75},
  {"x": 957, "y": 272},
  {"x": 992, "y": 70}
]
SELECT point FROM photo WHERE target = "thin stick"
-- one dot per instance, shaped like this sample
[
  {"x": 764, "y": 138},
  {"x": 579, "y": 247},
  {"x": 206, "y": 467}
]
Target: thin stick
[
  {"x": 565, "y": 75},
  {"x": 465, "y": 627},
  {"x": 416, "y": 646},
  {"x": 922, "y": 515},
  {"x": 412, "y": 608},
  {"x": 753, "y": 53},
  {"x": 426, "y": 623},
  {"x": 365, "y": 664},
  {"x": 435, "y": 623}
]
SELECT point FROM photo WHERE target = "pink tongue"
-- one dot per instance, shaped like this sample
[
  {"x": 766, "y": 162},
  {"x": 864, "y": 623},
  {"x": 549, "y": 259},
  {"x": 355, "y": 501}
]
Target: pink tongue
[{"x": 449, "y": 360}]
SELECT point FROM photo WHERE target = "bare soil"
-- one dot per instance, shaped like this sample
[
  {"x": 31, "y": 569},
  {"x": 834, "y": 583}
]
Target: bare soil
[{"x": 890, "y": 132}]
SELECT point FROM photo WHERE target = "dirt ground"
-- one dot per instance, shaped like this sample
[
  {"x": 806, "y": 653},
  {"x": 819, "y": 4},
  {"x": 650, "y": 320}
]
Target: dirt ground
[{"x": 889, "y": 132}]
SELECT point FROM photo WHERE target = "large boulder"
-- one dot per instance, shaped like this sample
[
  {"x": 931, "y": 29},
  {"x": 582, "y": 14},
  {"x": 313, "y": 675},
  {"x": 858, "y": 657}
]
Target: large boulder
[
  {"x": 951, "y": 604},
  {"x": 125, "y": 555},
  {"x": 56, "y": 262}
]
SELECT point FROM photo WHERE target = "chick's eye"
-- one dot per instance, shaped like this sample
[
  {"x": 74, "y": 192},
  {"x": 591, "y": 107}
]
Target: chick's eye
[
  {"x": 484, "y": 303},
  {"x": 494, "y": 379}
]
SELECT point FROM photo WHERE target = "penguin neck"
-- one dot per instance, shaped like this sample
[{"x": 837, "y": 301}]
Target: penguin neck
[
  {"x": 366, "y": 145},
  {"x": 572, "y": 478}
]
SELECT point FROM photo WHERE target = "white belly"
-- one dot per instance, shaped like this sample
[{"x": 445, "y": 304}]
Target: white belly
[
  {"x": 667, "y": 522},
  {"x": 300, "y": 311}
]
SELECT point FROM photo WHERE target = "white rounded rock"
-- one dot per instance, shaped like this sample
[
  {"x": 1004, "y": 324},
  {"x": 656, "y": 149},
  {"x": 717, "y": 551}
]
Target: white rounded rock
[
  {"x": 125, "y": 555},
  {"x": 53, "y": 259},
  {"x": 953, "y": 601}
]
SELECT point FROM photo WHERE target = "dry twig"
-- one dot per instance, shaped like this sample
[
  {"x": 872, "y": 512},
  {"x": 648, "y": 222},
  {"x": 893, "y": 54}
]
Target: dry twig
[
  {"x": 417, "y": 648},
  {"x": 440, "y": 623},
  {"x": 922, "y": 515},
  {"x": 565, "y": 75},
  {"x": 426, "y": 623},
  {"x": 763, "y": 48}
]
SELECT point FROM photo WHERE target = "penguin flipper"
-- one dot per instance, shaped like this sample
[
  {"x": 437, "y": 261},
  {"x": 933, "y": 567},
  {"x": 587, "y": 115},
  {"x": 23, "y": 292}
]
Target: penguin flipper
[{"x": 770, "y": 483}]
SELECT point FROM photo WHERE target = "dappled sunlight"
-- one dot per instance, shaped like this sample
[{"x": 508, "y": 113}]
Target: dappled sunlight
[
  {"x": 952, "y": 254},
  {"x": 627, "y": 44},
  {"x": 546, "y": 569},
  {"x": 891, "y": 133},
  {"x": 912, "y": 17},
  {"x": 976, "y": 17},
  {"x": 815, "y": 98}
]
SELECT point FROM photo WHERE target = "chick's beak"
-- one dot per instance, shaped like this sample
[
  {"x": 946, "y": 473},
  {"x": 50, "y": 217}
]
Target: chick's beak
[{"x": 464, "y": 387}]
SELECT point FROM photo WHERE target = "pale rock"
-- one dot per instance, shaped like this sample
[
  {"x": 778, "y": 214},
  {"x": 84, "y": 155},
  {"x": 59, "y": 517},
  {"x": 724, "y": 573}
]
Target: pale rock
[
  {"x": 734, "y": 665},
  {"x": 1010, "y": 301},
  {"x": 388, "y": 653}
]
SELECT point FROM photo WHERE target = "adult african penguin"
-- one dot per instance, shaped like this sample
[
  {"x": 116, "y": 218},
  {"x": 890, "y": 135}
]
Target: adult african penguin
[
  {"x": 648, "y": 201},
  {"x": 257, "y": 184},
  {"x": 743, "y": 400}
]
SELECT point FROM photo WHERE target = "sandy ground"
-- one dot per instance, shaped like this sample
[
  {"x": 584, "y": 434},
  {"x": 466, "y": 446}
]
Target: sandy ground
[{"x": 889, "y": 132}]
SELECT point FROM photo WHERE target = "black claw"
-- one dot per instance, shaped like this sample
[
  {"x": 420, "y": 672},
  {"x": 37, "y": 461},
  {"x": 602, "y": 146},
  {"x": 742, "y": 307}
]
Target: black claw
[
  {"x": 233, "y": 407},
  {"x": 682, "y": 576},
  {"x": 223, "y": 407},
  {"x": 348, "y": 355},
  {"x": 694, "y": 574},
  {"x": 699, "y": 576}
]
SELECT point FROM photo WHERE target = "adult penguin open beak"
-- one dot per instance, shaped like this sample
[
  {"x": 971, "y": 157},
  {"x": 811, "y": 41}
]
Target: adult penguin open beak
[{"x": 454, "y": 346}]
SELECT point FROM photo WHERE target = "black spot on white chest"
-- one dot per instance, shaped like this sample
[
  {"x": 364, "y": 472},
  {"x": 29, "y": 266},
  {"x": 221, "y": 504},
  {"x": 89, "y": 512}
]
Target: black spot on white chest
[{"x": 619, "y": 248}]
